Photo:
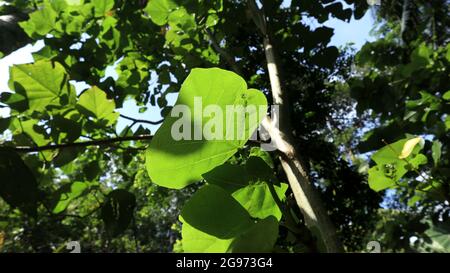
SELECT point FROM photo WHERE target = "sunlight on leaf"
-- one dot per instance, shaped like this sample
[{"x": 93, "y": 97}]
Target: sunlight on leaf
[{"x": 409, "y": 146}]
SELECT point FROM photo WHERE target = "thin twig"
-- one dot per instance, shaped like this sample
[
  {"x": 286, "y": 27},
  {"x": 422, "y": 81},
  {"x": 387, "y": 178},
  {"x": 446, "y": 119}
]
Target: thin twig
[
  {"x": 98, "y": 142},
  {"x": 142, "y": 120}
]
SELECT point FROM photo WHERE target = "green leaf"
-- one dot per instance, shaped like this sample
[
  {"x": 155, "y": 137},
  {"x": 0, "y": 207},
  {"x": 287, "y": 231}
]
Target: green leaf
[
  {"x": 229, "y": 177},
  {"x": 212, "y": 20},
  {"x": 101, "y": 7},
  {"x": 436, "y": 151},
  {"x": 46, "y": 53},
  {"x": 378, "y": 181},
  {"x": 41, "y": 22},
  {"x": 438, "y": 237},
  {"x": 35, "y": 132},
  {"x": 391, "y": 152},
  {"x": 179, "y": 152},
  {"x": 248, "y": 184},
  {"x": 421, "y": 57},
  {"x": 58, "y": 5},
  {"x": 38, "y": 135},
  {"x": 65, "y": 129},
  {"x": 67, "y": 194},
  {"x": 258, "y": 200},
  {"x": 94, "y": 103},
  {"x": 390, "y": 168},
  {"x": 228, "y": 216},
  {"x": 18, "y": 187},
  {"x": 117, "y": 211},
  {"x": 182, "y": 29},
  {"x": 446, "y": 95},
  {"x": 418, "y": 160},
  {"x": 159, "y": 10},
  {"x": 214, "y": 222},
  {"x": 256, "y": 151},
  {"x": 43, "y": 83},
  {"x": 259, "y": 239}
]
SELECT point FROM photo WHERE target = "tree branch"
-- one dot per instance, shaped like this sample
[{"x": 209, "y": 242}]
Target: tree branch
[
  {"x": 228, "y": 58},
  {"x": 280, "y": 130},
  {"x": 142, "y": 120},
  {"x": 98, "y": 142}
]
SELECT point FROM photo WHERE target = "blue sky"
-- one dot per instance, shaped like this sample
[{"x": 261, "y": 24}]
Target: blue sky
[{"x": 356, "y": 32}]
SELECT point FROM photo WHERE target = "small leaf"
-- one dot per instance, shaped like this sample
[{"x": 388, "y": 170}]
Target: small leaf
[
  {"x": 159, "y": 10},
  {"x": 68, "y": 194},
  {"x": 101, "y": 7},
  {"x": 436, "y": 151},
  {"x": 256, "y": 151},
  {"x": 117, "y": 211},
  {"x": 418, "y": 160},
  {"x": 409, "y": 146},
  {"x": 94, "y": 103},
  {"x": 446, "y": 95}
]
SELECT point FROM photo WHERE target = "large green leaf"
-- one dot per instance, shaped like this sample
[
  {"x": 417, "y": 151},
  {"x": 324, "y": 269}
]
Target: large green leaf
[
  {"x": 214, "y": 222},
  {"x": 248, "y": 184},
  {"x": 43, "y": 83},
  {"x": 175, "y": 159},
  {"x": 18, "y": 187}
]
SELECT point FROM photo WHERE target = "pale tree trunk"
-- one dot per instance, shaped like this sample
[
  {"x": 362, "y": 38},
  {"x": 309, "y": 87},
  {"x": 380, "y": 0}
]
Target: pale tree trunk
[{"x": 306, "y": 196}]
